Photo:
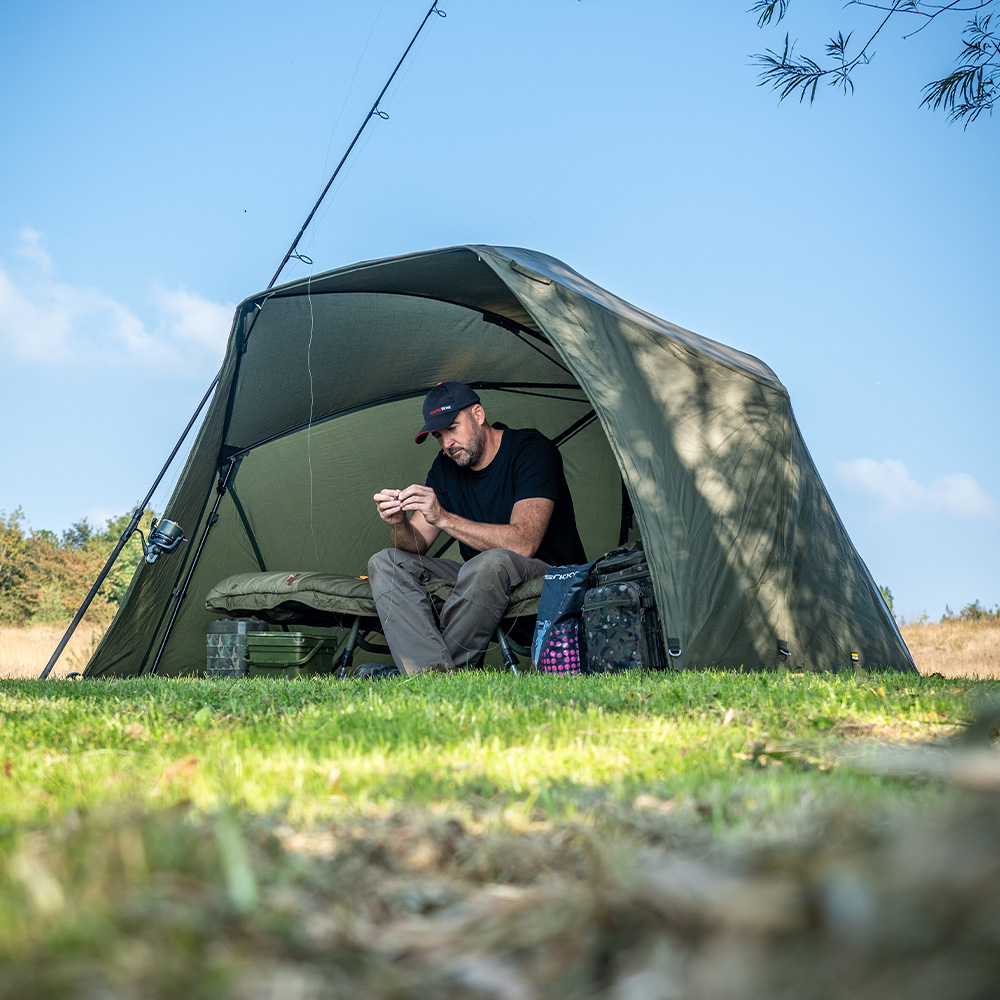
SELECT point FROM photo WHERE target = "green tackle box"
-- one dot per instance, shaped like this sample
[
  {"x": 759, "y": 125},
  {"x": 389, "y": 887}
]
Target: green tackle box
[{"x": 289, "y": 654}]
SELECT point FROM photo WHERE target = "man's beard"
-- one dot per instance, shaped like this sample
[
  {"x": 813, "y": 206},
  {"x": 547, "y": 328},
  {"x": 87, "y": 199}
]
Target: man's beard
[{"x": 471, "y": 454}]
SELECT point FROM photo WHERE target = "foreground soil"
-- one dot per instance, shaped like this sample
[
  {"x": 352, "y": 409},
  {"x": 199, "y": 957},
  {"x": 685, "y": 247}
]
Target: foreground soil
[{"x": 413, "y": 906}]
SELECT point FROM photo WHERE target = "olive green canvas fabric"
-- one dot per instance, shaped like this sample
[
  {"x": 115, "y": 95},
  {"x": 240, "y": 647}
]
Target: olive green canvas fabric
[{"x": 319, "y": 400}]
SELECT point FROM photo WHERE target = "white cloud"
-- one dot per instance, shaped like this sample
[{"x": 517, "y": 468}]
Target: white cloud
[
  {"x": 190, "y": 319},
  {"x": 31, "y": 249},
  {"x": 99, "y": 516},
  {"x": 890, "y": 483},
  {"x": 51, "y": 322}
]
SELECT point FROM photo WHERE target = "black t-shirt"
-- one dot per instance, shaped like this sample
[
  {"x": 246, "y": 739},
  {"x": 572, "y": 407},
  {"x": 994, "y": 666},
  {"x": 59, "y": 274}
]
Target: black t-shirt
[{"x": 527, "y": 465}]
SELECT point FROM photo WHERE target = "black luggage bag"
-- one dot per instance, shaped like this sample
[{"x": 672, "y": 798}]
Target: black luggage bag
[{"x": 621, "y": 624}]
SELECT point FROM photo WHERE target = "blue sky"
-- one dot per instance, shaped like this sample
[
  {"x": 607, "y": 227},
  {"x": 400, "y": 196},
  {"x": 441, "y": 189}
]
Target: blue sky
[{"x": 158, "y": 160}]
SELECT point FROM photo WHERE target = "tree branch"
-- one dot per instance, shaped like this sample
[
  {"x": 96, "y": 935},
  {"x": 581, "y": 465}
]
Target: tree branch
[
  {"x": 966, "y": 92},
  {"x": 788, "y": 75},
  {"x": 972, "y": 88}
]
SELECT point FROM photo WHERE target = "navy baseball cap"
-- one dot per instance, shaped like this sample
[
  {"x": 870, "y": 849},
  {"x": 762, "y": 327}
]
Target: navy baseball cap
[{"x": 442, "y": 405}]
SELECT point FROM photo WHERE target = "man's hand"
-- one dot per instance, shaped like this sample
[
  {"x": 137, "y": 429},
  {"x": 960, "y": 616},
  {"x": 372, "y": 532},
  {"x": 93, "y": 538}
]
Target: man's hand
[
  {"x": 422, "y": 499},
  {"x": 416, "y": 532},
  {"x": 388, "y": 506},
  {"x": 528, "y": 522}
]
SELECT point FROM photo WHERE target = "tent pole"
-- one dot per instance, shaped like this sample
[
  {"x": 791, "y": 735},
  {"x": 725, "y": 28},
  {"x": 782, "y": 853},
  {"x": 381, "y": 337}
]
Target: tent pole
[
  {"x": 371, "y": 114},
  {"x": 126, "y": 535},
  {"x": 220, "y": 492}
]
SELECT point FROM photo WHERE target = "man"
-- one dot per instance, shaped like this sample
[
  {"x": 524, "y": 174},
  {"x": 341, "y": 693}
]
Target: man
[{"x": 502, "y": 495}]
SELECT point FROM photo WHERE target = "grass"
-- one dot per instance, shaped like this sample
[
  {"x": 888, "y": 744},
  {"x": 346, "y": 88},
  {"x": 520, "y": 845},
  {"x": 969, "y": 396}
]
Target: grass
[
  {"x": 492, "y": 836},
  {"x": 474, "y": 744},
  {"x": 953, "y": 648}
]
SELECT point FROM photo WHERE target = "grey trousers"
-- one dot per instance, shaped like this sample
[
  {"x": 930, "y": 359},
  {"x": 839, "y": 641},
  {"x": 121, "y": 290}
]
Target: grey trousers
[{"x": 416, "y": 636}]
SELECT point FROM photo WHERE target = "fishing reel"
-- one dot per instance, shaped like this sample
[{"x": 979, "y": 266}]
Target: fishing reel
[{"x": 164, "y": 537}]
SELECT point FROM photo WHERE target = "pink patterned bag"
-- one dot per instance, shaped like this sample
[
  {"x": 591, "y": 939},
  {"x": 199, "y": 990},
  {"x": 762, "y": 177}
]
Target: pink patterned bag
[
  {"x": 556, "y": 646},
  {"x": 560, "y": 652}
]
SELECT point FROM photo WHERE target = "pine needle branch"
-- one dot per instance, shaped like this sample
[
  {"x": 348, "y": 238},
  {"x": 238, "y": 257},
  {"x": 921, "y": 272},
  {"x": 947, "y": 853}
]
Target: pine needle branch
[
  {"x": 786, "y": 74},
  {"x": 965, "y": 93},
  {"x": 971, "y": 89},
  {"x": 769, "y": 11}
]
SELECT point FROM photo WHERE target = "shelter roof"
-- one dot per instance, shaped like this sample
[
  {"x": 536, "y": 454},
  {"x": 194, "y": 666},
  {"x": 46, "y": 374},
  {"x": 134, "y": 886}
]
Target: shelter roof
[{"x": 471, "y": 276}]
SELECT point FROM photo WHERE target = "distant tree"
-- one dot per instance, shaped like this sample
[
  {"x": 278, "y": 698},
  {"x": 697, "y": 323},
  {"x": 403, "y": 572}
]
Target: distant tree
[
  {"x": 965, "y": 93},
  {"x": 15, "y": 566},
  {"x": 974, "y": 612},
  {"x": 62, "y": 573},
  {"x": 44, "y": 578},
  {"x": 124, "y": 569},
  {"x": 79, "y": 535}
]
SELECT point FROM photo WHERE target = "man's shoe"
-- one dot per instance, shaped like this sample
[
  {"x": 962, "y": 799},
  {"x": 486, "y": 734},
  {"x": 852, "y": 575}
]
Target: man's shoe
[{"x": 376, "y": 671}]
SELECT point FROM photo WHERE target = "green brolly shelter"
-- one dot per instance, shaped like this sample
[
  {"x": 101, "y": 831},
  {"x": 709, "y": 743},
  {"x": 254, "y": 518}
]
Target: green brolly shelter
[{"x": 665, "y": 435}]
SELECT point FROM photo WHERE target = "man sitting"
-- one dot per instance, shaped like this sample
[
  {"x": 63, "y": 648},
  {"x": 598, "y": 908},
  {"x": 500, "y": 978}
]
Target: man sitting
[{"x": 502, "y": 495}]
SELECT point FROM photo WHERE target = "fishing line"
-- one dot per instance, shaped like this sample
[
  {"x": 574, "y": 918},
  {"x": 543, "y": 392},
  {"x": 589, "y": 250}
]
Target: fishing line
[
  {"x": 406, "y": 72},
  {"x": 350, "y": 88},
  {"x": 336, "y": 124},
  {"x": 133, "y": 524},
  {"x": 309, "y": 426},
  {"x": 374, "y": 112},
  {"x": 336, "y": 190}
]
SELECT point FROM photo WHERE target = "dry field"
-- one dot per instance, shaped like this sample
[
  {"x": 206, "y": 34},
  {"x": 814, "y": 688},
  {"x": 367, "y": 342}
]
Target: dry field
[
  {"x": 955, "y": 648},
  {"x": 25, "y": 651},
  {"x": 950, "y": 648}
]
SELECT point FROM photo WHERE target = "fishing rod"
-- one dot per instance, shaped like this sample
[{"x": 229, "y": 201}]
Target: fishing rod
[
  {"x": 374, "y": 112},
  {"x": 169, "y": 538},
  {"x": 180, "y": 593}
]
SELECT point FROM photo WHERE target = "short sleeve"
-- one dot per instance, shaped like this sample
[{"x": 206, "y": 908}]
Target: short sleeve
[{"x": 536, "y": 469}]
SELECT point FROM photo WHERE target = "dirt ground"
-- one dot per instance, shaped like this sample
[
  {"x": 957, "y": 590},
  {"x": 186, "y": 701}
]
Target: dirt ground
[{"x": 842, "y": 906}]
